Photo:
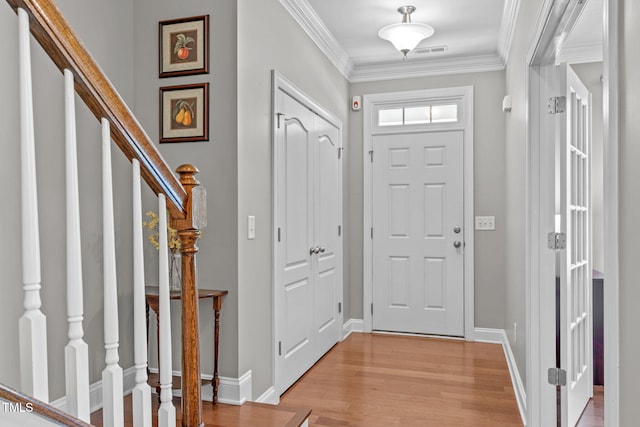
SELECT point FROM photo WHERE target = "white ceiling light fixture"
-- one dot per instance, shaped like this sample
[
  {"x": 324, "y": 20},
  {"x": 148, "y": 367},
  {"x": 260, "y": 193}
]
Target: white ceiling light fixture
[{"x": 406, "y": 35}]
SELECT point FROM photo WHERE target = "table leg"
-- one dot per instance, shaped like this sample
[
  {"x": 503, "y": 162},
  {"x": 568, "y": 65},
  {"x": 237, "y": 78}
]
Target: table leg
[{"x": 216, "y": 338}]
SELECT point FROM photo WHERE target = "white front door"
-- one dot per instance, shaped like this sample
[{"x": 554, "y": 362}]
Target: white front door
[
  {"x": 308, "y": 234},
  {"x": 576, "y": 330},
  {"x": 418, "y": 234}
]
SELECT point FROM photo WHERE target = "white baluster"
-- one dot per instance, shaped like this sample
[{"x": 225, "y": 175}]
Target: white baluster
[
  {"x": 33, "y": 324},
  {"x": 142, "y": 391},
  {"x": 76, "y": 353},
  {"x": 112, "y": 412},
  {"x": 167, "y": 412}
]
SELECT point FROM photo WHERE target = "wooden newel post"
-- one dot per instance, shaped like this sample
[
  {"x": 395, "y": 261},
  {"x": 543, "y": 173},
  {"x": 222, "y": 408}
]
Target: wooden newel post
[{"x": 189, "y": 232}]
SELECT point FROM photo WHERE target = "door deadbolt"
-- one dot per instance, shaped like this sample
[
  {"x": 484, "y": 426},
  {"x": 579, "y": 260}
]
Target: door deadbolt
[{"x": 456, "y": 230}]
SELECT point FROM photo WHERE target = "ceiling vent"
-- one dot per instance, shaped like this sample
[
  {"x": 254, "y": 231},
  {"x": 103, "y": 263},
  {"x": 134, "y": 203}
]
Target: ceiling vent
[{"x": 429, "y": 50}]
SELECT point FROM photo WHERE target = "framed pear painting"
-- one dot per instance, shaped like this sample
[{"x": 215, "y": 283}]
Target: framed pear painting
[
  {"x": 184, "y": 113},
  {"x": 184, "y": 46}
]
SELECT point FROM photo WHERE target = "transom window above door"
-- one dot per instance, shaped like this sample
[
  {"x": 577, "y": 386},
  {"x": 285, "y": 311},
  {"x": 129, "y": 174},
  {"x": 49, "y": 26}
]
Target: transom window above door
[{"x": 418, "y": 115}]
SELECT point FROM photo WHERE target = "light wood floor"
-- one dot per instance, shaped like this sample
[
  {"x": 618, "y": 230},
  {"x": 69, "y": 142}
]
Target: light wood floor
[
  {"x": 398, "y": 381},
  {"x": 593, "y": 415}
]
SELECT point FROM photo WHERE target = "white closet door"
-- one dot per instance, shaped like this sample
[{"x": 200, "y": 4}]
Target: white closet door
[
  {"x": 294, "y": 290},
  {"x": 307, "y": 242},
  {"x": 326, "y": 263}
]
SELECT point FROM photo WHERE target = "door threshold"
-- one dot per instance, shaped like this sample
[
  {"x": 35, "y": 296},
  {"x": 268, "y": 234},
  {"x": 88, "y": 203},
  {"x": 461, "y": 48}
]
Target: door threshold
[{"x": 413, "y": 334}]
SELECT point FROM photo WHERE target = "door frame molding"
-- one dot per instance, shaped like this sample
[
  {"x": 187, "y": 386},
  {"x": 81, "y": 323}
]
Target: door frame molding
[
  {"x": 555, "y": 16},
  {"x": 464, "y": 94},
  {"x": 279, "y": 82}
]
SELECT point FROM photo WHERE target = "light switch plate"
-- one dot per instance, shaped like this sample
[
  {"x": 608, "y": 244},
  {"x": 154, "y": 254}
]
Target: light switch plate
[
  {"x": 485, "y": 223},
  {"x": 251, "y": 227}
]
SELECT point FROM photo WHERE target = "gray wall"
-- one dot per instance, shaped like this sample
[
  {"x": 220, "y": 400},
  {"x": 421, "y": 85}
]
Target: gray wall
[
  {"x": 106, "y": 28},
  {"x": 217, "y": 259},
  {"x": 489, "y": 186},
  {"x": 590, "y": 74},
  {"x": 280, "y": 45},
  {"x": 629, "y": 205},
  {"x": 515, "y": 176}
]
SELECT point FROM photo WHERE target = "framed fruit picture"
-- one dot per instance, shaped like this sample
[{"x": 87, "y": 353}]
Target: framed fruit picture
[
  {"x": 184, "y": 46},
  {"x": 184, "y": 113}
]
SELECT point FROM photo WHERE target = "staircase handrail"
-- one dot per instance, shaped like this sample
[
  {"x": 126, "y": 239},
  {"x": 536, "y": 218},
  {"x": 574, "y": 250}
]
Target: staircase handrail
[{"x": 35, "y": 406}]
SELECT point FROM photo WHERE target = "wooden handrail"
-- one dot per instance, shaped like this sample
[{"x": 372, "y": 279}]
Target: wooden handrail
[
  {"x": 36, "y": 406},
  {"x": 52, "y": 31}
]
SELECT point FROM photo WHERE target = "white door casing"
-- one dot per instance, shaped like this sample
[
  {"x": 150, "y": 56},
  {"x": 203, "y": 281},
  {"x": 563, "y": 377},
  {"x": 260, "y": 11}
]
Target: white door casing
[
  {"x": 307, "y": 232},
  {"x": 541, "y": 265},
  {"x": 576, "y": 327},
  {"x": 418, "y": 233},
  {"x": 463, "y": 96}
]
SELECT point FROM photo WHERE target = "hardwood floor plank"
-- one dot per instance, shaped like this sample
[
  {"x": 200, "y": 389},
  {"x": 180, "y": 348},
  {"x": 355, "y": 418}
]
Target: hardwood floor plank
[{"x": 391, "y": 380}]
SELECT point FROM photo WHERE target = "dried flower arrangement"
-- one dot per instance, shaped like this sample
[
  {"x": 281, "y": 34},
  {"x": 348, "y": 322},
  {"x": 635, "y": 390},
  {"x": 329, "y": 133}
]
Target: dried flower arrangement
[{"x": 173, "y": 240}]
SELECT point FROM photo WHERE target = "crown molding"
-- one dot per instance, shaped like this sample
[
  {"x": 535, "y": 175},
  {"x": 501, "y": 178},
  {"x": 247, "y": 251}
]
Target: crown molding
[
  {"x": 507, "y": 28},
  {"x": 311, "y": 23},
  {"x": 581, "y": 54},
  {"x": 365, "y": 72},
  {"x": 371, "y": 69}
]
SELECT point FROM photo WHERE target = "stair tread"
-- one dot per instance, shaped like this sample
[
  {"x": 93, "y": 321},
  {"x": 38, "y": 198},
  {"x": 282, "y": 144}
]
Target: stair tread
[{"x": 250, "y": 414}]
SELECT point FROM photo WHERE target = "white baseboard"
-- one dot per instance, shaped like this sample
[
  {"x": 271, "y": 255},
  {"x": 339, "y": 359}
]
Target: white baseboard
[
  {"x": 270, "y": 396},
  {"x": 352, "y": 325},
  {"x": 499, "y": 336},
  {"x": 235, "y": 391},
  {"x": 95, "y": 391},
  {"x": 232, "y": 391}
]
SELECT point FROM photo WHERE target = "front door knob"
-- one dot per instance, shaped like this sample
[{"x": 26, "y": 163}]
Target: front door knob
[{"x": 457, "y": 244}]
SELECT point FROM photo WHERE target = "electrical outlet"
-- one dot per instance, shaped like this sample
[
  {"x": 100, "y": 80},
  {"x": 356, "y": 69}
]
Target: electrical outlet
[
  {"x": 485, "y": 223},
  {"x": 515, "y": 332}
]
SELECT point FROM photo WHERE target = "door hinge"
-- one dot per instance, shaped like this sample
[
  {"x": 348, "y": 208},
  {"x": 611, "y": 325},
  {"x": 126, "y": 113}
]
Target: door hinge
[
  {"x": 278, "y": 234},
  {"x": 372, "y": 309},
  {"x": 339, "y": 307},
  {"x": 557, "y": 104},
  {"x": 339, "y": 230},
  {"x": 371, "y": 155},
  {"x": 278, "y": 115},
  {"x": 279, "y": 348},
  {"x": 340, "y": 152},
  {"x": 556, "y": 241},
  {"x": 371, "y": 232},
  {"x": 557, "y": 377}
]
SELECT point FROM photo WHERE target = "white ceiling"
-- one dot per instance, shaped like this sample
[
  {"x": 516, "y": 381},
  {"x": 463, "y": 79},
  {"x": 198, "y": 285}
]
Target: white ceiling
[
  {"x": 467, "y": 28},
  {"x": 477, "y": 35}
]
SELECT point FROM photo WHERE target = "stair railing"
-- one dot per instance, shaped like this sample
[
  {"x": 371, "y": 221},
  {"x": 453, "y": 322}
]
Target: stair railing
[
  {"x": 184, "y": 199},
  {"x": 20, "y": 405}
]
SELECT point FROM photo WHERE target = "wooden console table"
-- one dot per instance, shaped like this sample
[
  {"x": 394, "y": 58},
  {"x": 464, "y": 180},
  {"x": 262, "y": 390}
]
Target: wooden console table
[{"x": 152, "y": 296}]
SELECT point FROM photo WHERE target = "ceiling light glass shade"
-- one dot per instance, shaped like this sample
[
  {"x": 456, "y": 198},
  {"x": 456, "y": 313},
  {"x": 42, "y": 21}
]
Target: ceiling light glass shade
[{"x": 406, "y": 36}]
